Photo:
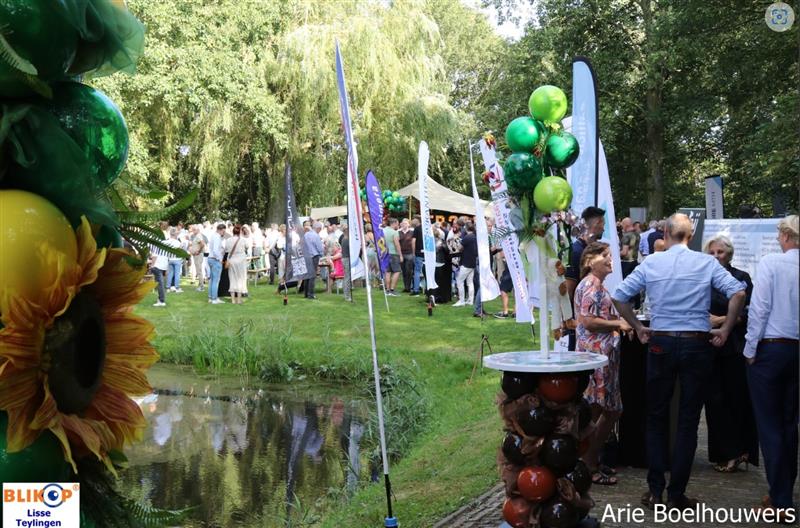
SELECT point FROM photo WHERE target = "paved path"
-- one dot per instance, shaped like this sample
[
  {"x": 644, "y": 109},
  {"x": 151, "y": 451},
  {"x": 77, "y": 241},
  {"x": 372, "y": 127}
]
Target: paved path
[{"x": 716, "y": 490}]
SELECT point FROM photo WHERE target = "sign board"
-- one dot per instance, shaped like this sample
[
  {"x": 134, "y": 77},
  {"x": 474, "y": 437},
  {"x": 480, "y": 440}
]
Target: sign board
[
  {"x": 714, "y": 198},
  {"x": 639, "y": 214},
  {"x": 752, "y": 239},
  {"x": 697, "y": 216}
]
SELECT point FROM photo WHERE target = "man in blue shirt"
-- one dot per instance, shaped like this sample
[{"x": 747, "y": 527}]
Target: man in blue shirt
[{"x": 678, "y": 283}]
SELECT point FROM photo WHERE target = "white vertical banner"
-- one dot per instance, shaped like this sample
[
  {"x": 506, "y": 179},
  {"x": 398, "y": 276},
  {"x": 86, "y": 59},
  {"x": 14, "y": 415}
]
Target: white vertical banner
[
  {"x": 606, "y": 201},
  {"x": 355, "y": 225},
  {"x": 582, "y": 175},
  {"x": 428, "y": 240},
  {"x": 714, "y": 198},
  {"x": 488, "y": 283},
  {"x": 506, "y": 232}
]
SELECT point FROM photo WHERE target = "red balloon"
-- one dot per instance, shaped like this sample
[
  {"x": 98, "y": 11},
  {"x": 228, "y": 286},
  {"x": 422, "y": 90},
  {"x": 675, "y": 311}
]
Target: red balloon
[
  {"x": 517, "y": 512},
  {"x": 536, "y": 483},
  {"x": 560, "y": 388}
]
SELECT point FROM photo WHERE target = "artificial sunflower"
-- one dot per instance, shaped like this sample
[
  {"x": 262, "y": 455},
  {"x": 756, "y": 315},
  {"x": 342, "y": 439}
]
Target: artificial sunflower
[{"x": 72, "y": 353}]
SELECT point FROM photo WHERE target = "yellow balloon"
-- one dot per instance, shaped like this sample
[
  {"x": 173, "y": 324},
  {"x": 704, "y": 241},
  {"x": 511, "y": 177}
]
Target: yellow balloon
[{"x": 26, "y": 221}]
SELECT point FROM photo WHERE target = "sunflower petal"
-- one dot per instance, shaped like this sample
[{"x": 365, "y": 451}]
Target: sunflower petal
[
  {"x": 61, "y": 434},
  {"x": 19, "y": 435},
  {"x": 122, "y": 415},
  {"x": 125, "y": 378},
  {"x": 47, "y": 413},
  {"x": 18, "y": 387},
  {"x": 94, "y": 435},
  {"x": 90, "y": 260},
  {"x": 118, "y": 284}
]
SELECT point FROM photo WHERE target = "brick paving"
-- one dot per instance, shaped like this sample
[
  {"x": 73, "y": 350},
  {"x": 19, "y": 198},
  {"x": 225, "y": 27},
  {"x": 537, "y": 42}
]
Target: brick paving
[{"x": 717, "y": 490}]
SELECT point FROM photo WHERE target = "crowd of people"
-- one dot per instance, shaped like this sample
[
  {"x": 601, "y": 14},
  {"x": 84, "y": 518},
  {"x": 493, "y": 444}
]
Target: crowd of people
[{"x": 731, "y": 344}]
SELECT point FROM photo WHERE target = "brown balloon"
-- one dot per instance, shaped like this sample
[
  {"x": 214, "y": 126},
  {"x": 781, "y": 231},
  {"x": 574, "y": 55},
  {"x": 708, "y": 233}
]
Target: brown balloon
[
  {"x": 559, "y": 514},
  {"x": 536, "y": 483},
  {"x": 559, "y": 388},
  {"x": 517, "y": 512}
]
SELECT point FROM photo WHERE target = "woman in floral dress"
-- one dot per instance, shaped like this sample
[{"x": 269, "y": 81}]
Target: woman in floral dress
[{"x": 599, "y": 331}]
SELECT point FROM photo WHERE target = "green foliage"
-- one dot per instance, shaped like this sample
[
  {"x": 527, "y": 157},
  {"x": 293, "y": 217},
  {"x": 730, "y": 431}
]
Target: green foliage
[{"x": 226, "y": 92}]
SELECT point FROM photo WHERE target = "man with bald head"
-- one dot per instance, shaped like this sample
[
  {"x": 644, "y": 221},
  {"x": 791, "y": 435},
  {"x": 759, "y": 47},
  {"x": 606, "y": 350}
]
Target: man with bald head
[{"x": 678, "y": 283}]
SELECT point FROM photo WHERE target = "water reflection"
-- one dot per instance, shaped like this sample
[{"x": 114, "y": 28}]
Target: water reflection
[{"x": 244, "y": 457}]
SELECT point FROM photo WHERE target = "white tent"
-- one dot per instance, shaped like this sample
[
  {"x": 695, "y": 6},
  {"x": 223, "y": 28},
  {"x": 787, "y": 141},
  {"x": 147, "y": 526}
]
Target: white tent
[
  {"x": 443, "y": 199},
  {"x": 323, "y": 213}
]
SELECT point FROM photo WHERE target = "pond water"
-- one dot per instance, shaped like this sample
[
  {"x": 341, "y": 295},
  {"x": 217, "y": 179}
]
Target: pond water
[{"x": 243, "y": 453}]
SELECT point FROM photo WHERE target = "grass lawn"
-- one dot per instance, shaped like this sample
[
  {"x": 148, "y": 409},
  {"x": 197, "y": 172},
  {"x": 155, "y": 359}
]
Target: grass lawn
[{"x": 448, "y": 447}]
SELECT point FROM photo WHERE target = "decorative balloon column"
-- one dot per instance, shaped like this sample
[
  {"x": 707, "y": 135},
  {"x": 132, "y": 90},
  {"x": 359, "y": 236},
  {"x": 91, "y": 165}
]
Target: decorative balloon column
[
  {"x": 547, "y": 422},
  {"x": 72, "y": 353}
]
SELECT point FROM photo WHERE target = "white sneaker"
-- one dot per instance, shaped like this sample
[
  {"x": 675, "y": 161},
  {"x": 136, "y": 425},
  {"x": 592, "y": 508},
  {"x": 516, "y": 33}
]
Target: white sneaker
[
  {"x": 457, "y": 304},
  {"x": 217, "y": 301},
  {"x": 171, "y": 289},
  {"x": 159, "y": 303},
  {"x": 200, "y": 289},
  {"x": 179, "y": 290}
]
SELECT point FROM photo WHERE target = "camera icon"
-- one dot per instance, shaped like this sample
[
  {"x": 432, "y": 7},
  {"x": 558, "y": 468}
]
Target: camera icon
[{"x": 780, "y": 17}]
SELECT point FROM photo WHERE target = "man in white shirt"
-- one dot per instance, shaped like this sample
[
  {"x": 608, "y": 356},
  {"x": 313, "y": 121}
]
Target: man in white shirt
[
  {"x": 273, "y": 251},
  {"x": 215, "y": 255},
  {"x": 771, "y": 350}
]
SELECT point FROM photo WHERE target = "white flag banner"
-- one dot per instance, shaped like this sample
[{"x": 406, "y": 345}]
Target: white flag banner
[
  {"x": 606, "y": 201},
  {"x": 428, "y": 240},
  {"x": 505, "y": 231},
  {"x": 488, "y": 283}
]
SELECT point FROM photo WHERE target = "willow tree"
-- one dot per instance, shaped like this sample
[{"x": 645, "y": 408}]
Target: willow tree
[{"x": 228, "y": 92}]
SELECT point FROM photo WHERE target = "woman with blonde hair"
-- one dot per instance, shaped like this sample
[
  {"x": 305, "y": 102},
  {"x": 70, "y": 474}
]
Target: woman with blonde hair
[
  {"x": 236, "y": 249},
  {"x": 599, "y": 331},
  {"x": 732, "y": 438}
]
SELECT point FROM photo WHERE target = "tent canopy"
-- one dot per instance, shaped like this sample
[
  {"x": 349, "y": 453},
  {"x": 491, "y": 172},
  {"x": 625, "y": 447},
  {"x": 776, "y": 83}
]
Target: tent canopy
[
  {"x": 323, "y": 213},
  {"x": 443, "y": 199}
]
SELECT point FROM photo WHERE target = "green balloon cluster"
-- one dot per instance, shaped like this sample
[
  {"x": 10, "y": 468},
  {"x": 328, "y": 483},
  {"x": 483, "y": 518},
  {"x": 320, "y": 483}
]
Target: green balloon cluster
[
  {"x": 65, "y": 140},
  {"x": 393, "y": 202},
  {"x": 540, "y": 146}
]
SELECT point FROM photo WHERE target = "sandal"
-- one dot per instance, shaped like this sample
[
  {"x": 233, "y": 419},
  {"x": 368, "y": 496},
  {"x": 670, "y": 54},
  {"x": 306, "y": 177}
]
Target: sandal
[
  {"x": 601, "y": 479},
  {"x": 607, "y": 470},
  {"x": 732, "y": 466}
]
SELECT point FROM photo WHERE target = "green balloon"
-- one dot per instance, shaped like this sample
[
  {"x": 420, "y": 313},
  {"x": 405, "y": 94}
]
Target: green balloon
[
  {"x": 562, "y": 150},
  {"x": 548, "y": 103},
  {"x": 42, "y": 37},
  {"x": 96, "y": 124},
  {"x": 395, "y": 194},
  {"x": 523, "y": 134},
  {"x": 42, "y": 461},
  {"x": 522, "y": 172},
  {"x": 553, "y": 193}
]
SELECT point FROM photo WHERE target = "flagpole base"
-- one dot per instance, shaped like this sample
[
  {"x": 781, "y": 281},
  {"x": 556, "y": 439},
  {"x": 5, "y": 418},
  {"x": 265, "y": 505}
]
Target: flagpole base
[{"x": 390, "y": 522}]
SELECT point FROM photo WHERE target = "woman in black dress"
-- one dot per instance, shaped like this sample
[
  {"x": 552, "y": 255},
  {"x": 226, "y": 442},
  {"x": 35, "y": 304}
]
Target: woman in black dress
[{"x": 732, "y": 435}]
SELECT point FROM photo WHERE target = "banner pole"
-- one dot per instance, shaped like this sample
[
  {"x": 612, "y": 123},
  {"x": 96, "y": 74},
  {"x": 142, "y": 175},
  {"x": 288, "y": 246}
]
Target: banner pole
[{"x": 389, "y": 521}]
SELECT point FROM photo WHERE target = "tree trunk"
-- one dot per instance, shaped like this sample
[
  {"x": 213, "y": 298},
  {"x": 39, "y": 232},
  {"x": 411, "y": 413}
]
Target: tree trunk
[
  {"x": 655, "y": 152},
  {"x": 654, "y": 77}
]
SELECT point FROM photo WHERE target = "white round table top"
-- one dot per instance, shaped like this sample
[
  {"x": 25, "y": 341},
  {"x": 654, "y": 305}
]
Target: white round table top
[{"x": 535, "y": 361}]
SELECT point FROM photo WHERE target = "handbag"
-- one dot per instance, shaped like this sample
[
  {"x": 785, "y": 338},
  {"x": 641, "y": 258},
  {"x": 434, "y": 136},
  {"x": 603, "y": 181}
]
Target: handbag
[{"x": 227, "y": 262}]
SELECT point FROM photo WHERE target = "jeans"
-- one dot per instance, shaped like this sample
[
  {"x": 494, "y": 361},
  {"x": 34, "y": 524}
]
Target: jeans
[
  {"x": 773, "y": 381},
  {"x": 158, "y": 275},
  {"x": 215, "y": 267},
  {"x": 174, "y": 274},
  {"x": 407, "y": 266},
  {"x": 418, "y": 263},
  {"x": 690, "y": 361}
]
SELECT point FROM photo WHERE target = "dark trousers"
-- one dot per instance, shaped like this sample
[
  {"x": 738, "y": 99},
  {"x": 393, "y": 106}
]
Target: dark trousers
[
  {"x": 627, "y": 269},
  {"x": 690, "y": 361},
  {"x": 309, "y": 283},
  {"x": 773, "y": 380},
  {"x": 407, "y": 266},
  {"x": 273, "y": 266},
  {"x": 158, "y": 275}
]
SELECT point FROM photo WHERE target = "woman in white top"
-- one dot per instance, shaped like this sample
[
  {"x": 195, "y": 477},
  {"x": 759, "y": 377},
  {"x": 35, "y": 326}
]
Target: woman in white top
[{"x": 236, "y": 248}]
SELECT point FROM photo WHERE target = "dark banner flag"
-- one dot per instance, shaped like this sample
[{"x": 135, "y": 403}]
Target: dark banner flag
[
  {"x": 375, "y": 206},
  {"x": 296, "y": 268}
]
